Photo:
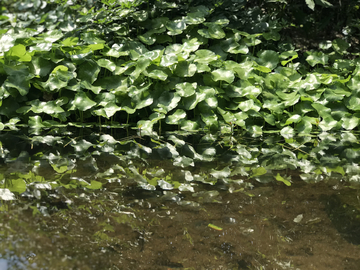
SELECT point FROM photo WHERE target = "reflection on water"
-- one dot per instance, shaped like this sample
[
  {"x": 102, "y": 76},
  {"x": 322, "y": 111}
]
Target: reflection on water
[
  {"x": 215, "y": 227},
  {"x": 97, "y": 202}
]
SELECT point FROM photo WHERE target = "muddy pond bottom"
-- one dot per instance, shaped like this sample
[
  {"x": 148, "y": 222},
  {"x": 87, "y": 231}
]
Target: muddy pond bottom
[{"x": 305, "y": 226}]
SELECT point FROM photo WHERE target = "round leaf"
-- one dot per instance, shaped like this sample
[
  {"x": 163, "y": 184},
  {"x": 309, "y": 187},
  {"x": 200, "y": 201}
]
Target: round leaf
[{"x": 223, "y": 75}]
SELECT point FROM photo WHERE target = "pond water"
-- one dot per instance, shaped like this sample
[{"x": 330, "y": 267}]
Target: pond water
[
  {"x": 305, "y": 226},
  {"x": 132, "y": 222}
]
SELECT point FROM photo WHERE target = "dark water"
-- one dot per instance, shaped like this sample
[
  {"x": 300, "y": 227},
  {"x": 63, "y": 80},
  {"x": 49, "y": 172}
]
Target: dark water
[
  {"x": 95, "y": 202},
  {"x": 273, "y": 226}
]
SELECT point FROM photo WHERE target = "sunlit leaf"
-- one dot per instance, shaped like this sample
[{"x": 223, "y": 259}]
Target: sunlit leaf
[
  {"x": 94, "y": 185},
  {"x": 350, "y": 122},
  {"x": 258, "y": 171},
  {"x": 106, "y": 63},
  {"x": 315, "y": 58},
  {"x": 268, "y": 58},
  {"x": 223, "y": 75},
  {"x": 6, "y": 195},
  {"x": 16, "y": 185},
  {"x": 205, "y": 56},
  {"x": 185, "y": 89},
  {"x": 82, "y": 102},
  {"x": 287, "y": 132},
  {"x": 19, "y": 53},
  {"x": 176, "y": 117},
  {"x": 185, "y": 69},
  {"x": 279, "y": 178},
  {"x": 81, "y": 145}
]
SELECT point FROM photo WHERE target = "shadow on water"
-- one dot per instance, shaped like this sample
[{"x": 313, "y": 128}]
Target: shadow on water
[
  {"x": 106, "y": 211},
  {"x": 266, "y": 227}
]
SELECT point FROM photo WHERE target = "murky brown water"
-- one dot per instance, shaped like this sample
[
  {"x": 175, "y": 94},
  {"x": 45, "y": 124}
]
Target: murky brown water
[{"x": 305, "y": 226}]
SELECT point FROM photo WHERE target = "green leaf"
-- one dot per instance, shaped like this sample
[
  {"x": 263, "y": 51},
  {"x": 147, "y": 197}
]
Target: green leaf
[
  {"x": 88, "y": 71},
  {"x": 176, "y": 117},
  {"x": 223, "y": 75},
  {"x": 194, "y": 18},
  {"x": 353, "y": 103},
  {"x": 189, "y": 125},
  {"x": 278, "y": 177},
  {"x": 215, "y": 31},
  {"x": 293, "y": 119},
  {"x": 288, "y": 57},
  {"x": 231, "y": 46},
  {"x": 315, "y": 58},
  {"x": 185, "y": 89},
  {"x": 41, "y": 67},
  {"x": 268, "y": 58},
  {"x": 19, "y": 53},
  {"x": 258, "y": 172},
  {"x": 58, "y": 79},
  {"x": 17, "y": 185},
  {"x": 185, "y": 69},
  {"x": 70, "y": 41},
  {"x": 287, "y": 132},
  {"x": 212, "y": 226},
  {"x": 82, "y": 102},
  {"x": 175, "y": 27},
  {"x": 168, "y": 60},
  {"x": 35, "y": 122},
  {"x": 148, "y": 38},
  {"x": 52, "y": 36},
  {"x": 255, "y": 130},
  {"x": 106, "y": 63},
  {"x": 340, "y": 45},
  {"x": 157, "y": 73},
  {"x": 310, "y": 4},
  {"x": 350, "y": 122},
  {"x": 81, "y": 145},
  {"x": 248, "y": 105},
  {"x": 205, "y": 56},
  {"x": 183, "y": 162},
  {"x": 94, "y": 185},
  {"x": 18, "y": 79},
  {"x": 167, "y": 101}
]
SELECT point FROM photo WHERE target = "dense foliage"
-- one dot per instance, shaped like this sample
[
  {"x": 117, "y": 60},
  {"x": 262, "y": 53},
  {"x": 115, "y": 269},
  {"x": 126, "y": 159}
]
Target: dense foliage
[{"x": 168, "y": 66}]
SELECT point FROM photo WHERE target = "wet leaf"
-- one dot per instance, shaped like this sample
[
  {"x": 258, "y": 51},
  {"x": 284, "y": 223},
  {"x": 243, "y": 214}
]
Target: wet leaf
[{"x": 212, "y": 226}]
